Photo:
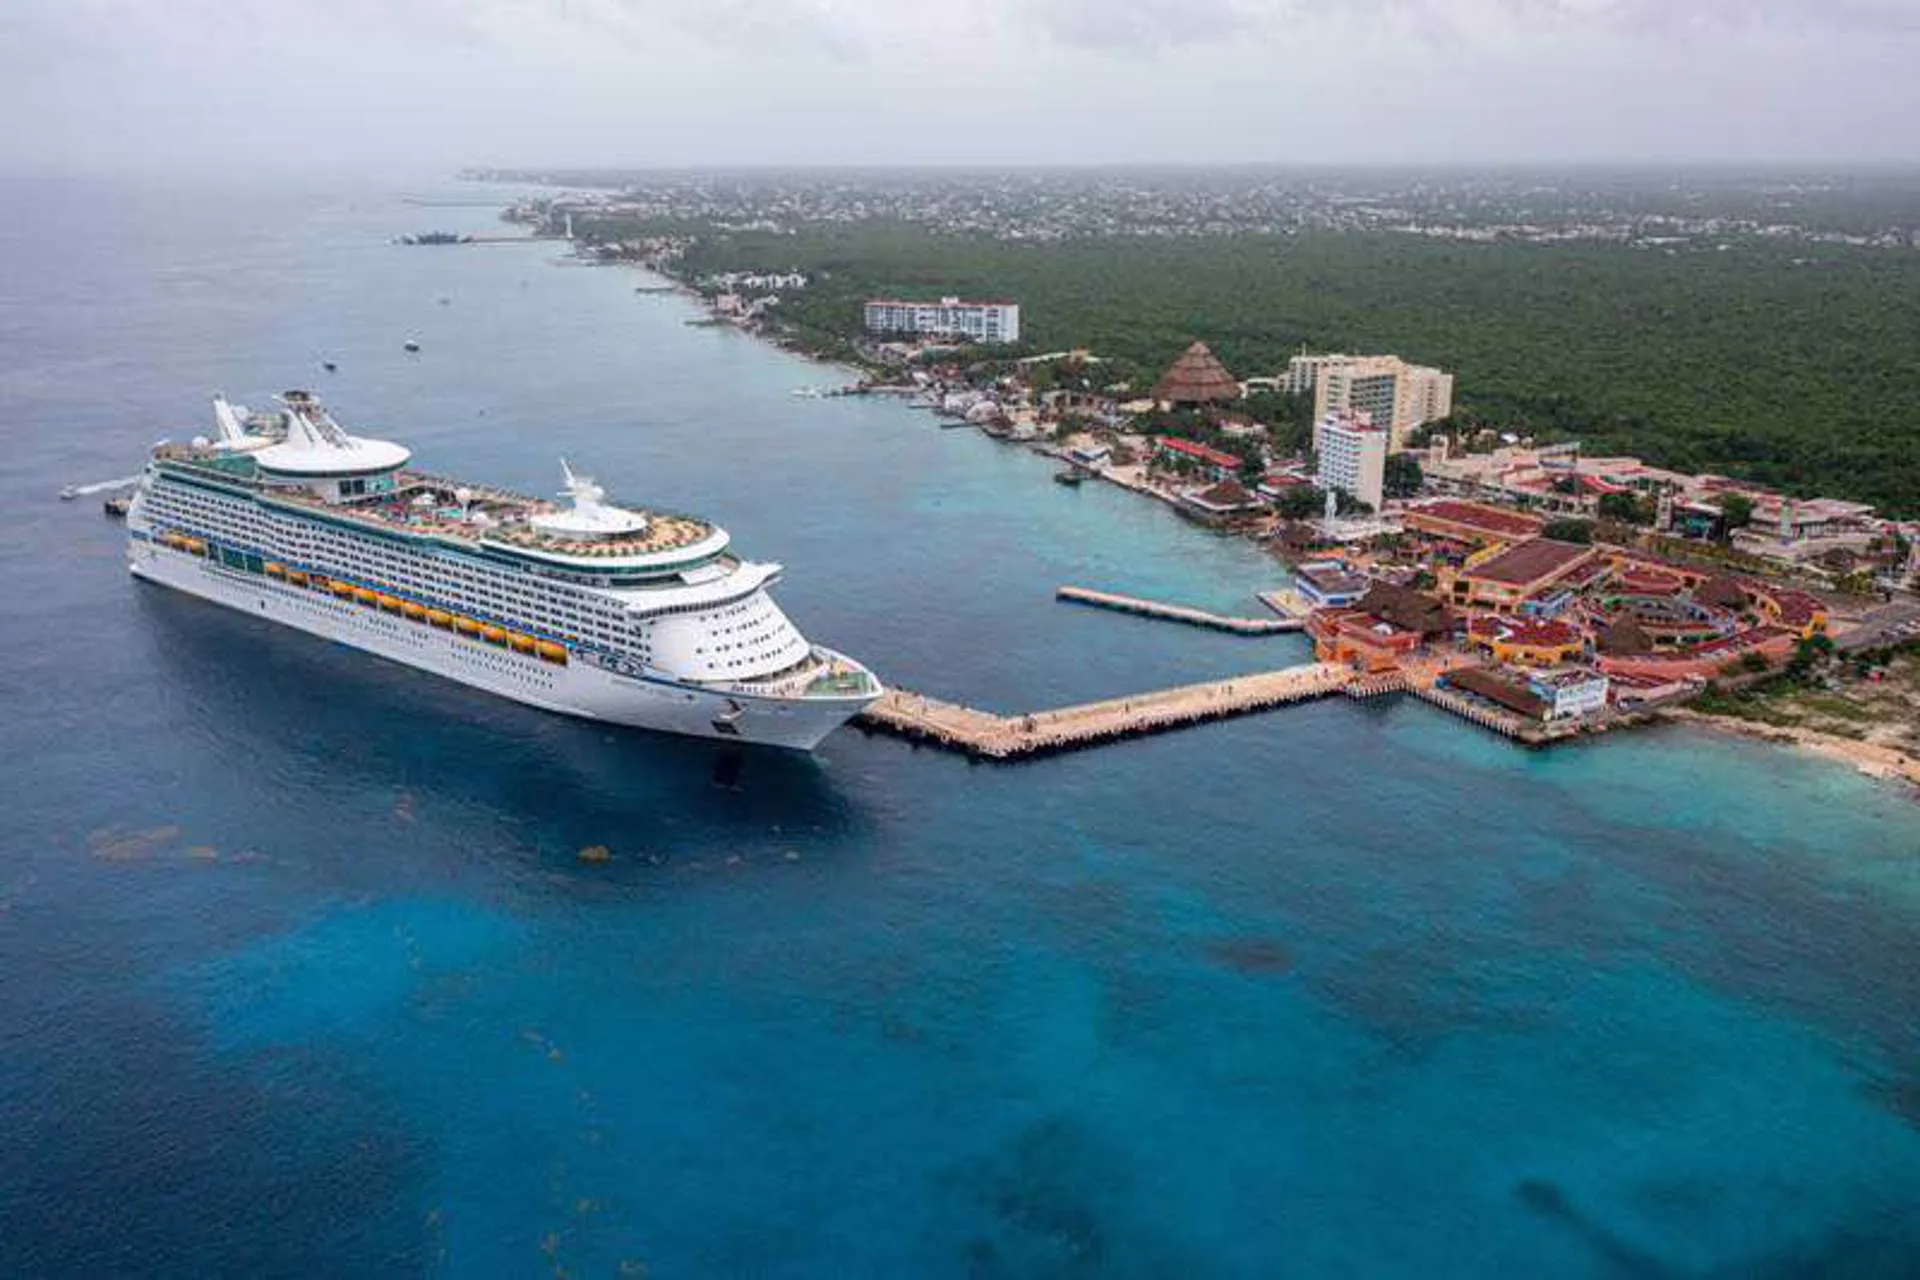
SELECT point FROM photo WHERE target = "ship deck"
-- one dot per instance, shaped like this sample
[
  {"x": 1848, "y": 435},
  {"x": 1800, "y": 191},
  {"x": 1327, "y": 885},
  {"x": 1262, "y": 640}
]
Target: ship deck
[{"x": 425, "y": 504}]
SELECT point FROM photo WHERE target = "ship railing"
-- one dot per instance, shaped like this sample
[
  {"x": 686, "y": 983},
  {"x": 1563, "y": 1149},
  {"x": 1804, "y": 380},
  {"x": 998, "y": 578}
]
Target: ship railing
[{"x": 816, "y": 676}]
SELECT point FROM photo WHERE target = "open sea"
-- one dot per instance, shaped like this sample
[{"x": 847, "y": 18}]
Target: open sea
[{"x": 300, "y": 973}]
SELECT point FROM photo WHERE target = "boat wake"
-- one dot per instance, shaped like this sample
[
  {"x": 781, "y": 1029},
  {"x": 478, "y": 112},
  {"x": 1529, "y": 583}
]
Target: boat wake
[{"x": 103, "y": 486}]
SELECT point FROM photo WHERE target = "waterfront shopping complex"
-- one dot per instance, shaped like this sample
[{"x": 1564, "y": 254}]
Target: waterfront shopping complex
[{"x": 1529, "y": 581}]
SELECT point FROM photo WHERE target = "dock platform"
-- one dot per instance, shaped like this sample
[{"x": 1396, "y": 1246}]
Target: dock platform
[
  {"x": 1179, "y": 613},
  {"x": 983, "y": 735}
]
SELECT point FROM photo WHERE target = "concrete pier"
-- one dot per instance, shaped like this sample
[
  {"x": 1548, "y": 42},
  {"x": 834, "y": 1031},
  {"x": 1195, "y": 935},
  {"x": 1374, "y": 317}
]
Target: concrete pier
[
  {"x": 985, "y": 736},
  {"x": 1179, "y": 613},
  {"x": 1288, "y": 603}
]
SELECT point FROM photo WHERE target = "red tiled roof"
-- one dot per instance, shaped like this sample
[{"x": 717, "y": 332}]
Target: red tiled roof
[
  {"x": 1530, "y": 561},
  {"x": 1542, "y": 633},
  {"x": 1484, "y": 683},
  {"x": 1475, "y": 515},
  {"x": 1797, "y": 608},
  {"x": 1204, "y": 453},
  {"x": 1642, "y": 579},
  {"x": 1583, "y": 574}
]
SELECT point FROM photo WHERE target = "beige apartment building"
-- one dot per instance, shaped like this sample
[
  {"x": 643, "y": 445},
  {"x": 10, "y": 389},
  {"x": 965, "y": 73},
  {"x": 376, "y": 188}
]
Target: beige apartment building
[{"x": 1393, "y": 393}]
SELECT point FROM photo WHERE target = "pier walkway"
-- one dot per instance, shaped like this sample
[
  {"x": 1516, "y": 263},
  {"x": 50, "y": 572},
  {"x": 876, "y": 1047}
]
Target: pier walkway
[
  {"x": 985, "y": 736},
  {"x": 1179, "y": 613}
]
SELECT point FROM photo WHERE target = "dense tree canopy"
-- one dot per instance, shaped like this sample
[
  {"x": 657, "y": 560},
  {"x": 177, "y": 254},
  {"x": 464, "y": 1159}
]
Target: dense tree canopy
[
  {"x": 1767, "y": 362},
  {"x": 1568, "y": 530},
  {"x": 1402, "y": 478}
]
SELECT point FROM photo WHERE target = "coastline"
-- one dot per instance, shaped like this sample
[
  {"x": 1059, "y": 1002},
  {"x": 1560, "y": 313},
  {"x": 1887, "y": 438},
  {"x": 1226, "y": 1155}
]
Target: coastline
[{"x": 1868, "y": 758}]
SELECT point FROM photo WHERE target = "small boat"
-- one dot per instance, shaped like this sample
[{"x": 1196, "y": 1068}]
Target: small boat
[
  {"x": 328, "y": 365},
  {"x": 1071, "y": 477},
  {"x": 117, "y": 507},
  {"x": 69, "y": 493},
  {"x": 410, "y": 346}
]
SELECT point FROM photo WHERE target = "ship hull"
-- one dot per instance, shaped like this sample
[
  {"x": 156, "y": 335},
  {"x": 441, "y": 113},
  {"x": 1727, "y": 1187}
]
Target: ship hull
[{"x": 577, "y": 688}]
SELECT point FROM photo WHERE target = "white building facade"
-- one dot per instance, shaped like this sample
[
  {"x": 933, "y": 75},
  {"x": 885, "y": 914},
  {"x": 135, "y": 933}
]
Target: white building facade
[
  {"x": 1352, "y": 452},
  {"x": 1570, "y": 693},
  {"x": 1398, "y": 395},
  {"x": 949, "y": 318}
]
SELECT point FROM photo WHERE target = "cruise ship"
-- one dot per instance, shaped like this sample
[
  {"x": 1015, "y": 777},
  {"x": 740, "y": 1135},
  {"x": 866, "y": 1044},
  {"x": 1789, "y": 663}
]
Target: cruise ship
[{"x": 633, "y": 617}]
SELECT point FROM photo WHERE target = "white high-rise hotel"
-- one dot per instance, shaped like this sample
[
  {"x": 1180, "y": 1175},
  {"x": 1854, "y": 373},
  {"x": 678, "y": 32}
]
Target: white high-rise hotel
[
  {"x": 949, "y": 317},
  {"x": 1398, "y": 395},
  {"x": 1353, "y": 456}
]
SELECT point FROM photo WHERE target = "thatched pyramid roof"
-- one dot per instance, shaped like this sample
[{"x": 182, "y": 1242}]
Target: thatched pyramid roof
[{"x": 1197, "y": 377}]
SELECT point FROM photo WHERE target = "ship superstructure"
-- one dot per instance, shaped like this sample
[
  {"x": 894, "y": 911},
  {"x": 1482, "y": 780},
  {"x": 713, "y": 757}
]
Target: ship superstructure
[{"x": 636, "y": 617}]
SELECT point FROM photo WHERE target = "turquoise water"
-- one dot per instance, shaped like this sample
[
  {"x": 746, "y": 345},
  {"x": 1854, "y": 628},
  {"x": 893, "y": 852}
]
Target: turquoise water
[{"x": 302, "y": 974}]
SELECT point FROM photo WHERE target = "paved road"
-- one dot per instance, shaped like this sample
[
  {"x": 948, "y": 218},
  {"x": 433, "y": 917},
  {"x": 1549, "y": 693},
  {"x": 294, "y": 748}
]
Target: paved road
[{"x": 1885, "y": 625}]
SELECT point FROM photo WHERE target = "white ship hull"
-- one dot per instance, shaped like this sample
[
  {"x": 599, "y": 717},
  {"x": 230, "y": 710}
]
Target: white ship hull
[{"x": 578, "y": 688}]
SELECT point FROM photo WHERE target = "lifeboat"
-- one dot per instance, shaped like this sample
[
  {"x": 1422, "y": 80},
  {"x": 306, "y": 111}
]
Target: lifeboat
[
  {"x": 554, "y": 653},
  {"x": 412, "y": 610},
  {"x": 365, "y": 596},
  {"x": 520, "y": 643},
  {"x": 466, "y": 626},
  {"x": 494, "y": 635},
  {"x": 174, "y": 540},
  {"x": 275, "y": 570},
  {"x": 439, "y": 618},
  {"x": 196, "y": 546},
  {"x": 390, "y": 603},
  {"x": 296, "y": 577}
]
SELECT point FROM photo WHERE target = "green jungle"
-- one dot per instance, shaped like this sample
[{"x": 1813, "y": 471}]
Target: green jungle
[{"x": 1793, "y": 365}]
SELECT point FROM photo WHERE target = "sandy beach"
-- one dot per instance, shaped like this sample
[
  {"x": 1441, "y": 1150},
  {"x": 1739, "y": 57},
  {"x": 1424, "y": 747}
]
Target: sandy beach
[{"x": 1872, "y": 759}]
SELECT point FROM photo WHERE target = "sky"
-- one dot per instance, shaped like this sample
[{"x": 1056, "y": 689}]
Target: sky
[{"x": 103, "y": 85}]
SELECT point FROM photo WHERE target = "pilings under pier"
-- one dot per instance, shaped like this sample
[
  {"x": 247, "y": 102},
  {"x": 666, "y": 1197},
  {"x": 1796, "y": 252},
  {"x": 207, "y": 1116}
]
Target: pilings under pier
[
  {"x": 1179, "y": 613},
  {"x": 985, "y": 736}
]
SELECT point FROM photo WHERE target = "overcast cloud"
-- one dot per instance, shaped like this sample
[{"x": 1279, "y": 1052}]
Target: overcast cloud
[{"x": 99, "y": 84}]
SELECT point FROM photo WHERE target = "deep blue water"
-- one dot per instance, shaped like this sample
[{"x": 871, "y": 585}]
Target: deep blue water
[{"x": 299, "y": 972}]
